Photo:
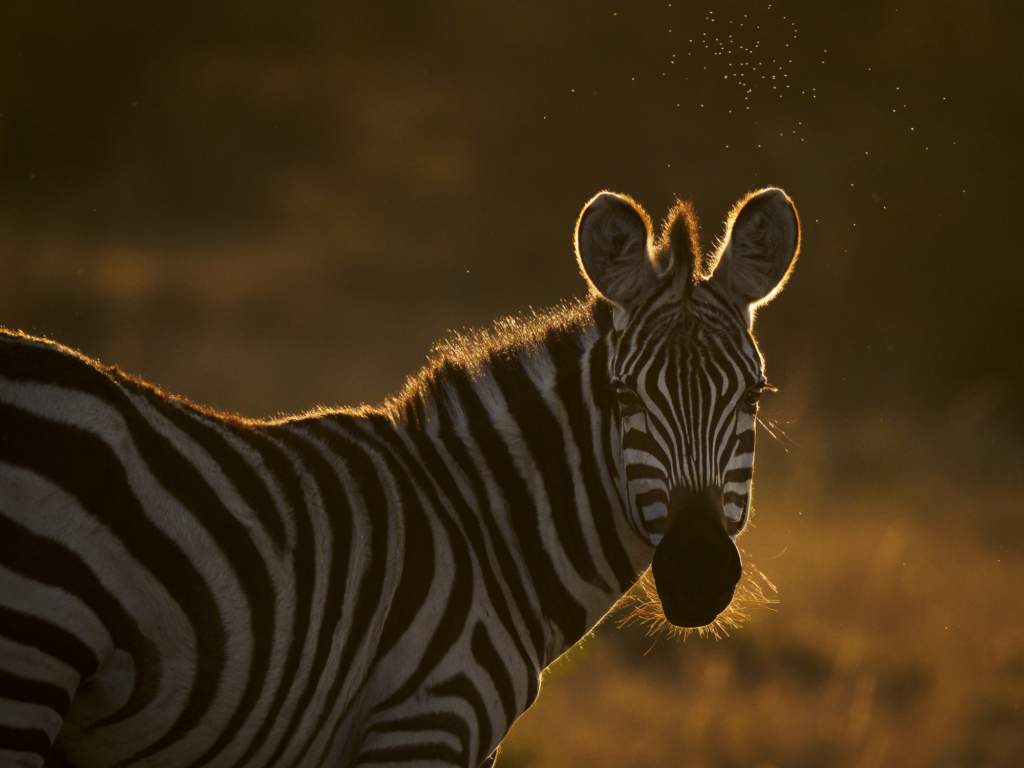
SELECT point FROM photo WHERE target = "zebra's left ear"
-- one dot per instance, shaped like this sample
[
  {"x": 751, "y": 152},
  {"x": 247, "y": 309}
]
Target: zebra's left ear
[
  {"x": 761, "y": 246},
  {"x": 613, "y": 246}
]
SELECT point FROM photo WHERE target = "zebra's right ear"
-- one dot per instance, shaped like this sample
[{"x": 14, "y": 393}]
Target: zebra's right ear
[
  {"x": 761, "y": 246},
  {"x": 614, "y": 245}
]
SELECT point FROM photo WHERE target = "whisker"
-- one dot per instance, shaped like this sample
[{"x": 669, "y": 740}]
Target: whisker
[
  {"x": 774, "y": 429},
  {"x": 768, "y": 428},
  {"x": 644, "y": 607}
]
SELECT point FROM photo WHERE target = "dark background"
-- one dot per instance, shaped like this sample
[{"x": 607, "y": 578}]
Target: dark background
[{"x": 266, "y": 206}]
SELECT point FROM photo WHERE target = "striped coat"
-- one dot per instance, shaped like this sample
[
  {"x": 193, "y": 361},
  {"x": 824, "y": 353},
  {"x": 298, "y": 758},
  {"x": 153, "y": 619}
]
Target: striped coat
[{"x": 382, "y": 585}]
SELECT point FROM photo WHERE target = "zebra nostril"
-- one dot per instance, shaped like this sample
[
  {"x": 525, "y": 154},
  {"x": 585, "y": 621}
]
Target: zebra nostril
[{"x": 696, "y": 568}]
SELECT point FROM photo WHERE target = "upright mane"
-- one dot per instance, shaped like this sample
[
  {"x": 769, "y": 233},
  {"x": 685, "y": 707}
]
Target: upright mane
[{"x": 490, "y": 348}]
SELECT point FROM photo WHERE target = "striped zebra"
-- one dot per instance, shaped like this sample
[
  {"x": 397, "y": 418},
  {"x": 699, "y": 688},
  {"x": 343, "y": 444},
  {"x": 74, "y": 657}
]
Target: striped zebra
[{"x": 381, "y": 585}]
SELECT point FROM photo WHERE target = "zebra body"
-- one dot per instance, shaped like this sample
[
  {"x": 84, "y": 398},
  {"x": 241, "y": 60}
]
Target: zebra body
[{"x": 379, "y": 585}]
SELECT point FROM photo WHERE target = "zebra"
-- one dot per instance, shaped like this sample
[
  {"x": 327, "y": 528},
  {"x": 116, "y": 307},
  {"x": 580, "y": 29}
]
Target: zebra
[{"x": 381, "y": 585}]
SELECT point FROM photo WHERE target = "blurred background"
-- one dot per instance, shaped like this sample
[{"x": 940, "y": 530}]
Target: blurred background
[{"x": 267, "y": 206}]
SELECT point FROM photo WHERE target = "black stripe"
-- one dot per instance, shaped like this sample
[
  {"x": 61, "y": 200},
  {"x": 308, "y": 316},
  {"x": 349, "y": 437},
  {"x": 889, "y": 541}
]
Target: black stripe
[
  {"x": 101, "y": 485},
  {"x": 363, "y": 473},
  {"x": 744, "y": 442},
  {"x": 34, "y": 692},
  {"x": 642, "y": 441},
  {"x": 716, "y": 372},
  {"x": 437, "y": 472},
  {"x": 489, "y": 658},
  {"x": 725, "y": 307},
  {"x": 28, "y": 630},
  {"x": 607, "y": 407},
  {"x": 437, "y": 481},
  {"x": 543, "y": 436},
  {"x": 737, "y": 499},
  {"x": 412, "y": 753},
  {"x": 633, "y": 328},
  {"x": 556, "y": 602},
  {"x": 700, "y": 411},
  {"x": 460, "y": 597},
  {"x": 303, "y": 568},
  {"x": 644, "y": 472},
  {"x": 47, "y": 562},
  {"x": 667, "y": 400},
  {"x": 184, "y": 480},
  {"x": 685, "y": 435},
  {"x": 462, "y": 687},
  {"x": 24, "y": 740},
  {"x": 668, "y": 432},
  {"x": 362, "y": 467},
  {"x": 242, "y": 475},
  {"x": 738, "y": 444},
  {"x": 418, "y": 561},
  {"x": 652, "y": 496},
  {"x": 180, "y": 478},
  {"x": 566, "y": 352},
  {"x": 741, "y": 475},
  {"x": 509, "y": 572},
  {"x": 434, "y": 721},
  {"x": 339, "y": 516}
]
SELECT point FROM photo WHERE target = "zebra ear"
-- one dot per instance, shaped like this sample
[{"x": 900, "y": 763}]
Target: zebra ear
[
  {"x": 613, "y": 245},
  {"x": 761, "y": 245}
]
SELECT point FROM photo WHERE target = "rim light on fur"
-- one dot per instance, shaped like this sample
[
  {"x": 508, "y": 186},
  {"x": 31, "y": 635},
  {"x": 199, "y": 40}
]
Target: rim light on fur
[{"x": 644, "y": 607}]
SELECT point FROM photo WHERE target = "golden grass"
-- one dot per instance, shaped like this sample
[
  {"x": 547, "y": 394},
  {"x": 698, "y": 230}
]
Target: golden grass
[{"x": 898, "y": 640}]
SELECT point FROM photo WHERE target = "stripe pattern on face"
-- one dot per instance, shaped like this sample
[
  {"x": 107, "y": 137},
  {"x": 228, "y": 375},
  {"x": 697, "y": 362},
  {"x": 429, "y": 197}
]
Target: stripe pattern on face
[
  {"x": 687, "y": 376},
  {"x": 373, "y": 586}
]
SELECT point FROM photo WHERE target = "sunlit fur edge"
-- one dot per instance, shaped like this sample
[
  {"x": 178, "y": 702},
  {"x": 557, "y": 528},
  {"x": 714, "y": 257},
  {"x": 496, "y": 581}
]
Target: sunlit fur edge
[
  {"x": 644, "y": 606},
  {"x": 718, "y": 249}
]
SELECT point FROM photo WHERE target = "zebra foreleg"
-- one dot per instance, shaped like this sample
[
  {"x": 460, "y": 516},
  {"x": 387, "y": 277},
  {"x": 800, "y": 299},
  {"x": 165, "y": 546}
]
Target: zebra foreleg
[{"x": 35, "y": 688}]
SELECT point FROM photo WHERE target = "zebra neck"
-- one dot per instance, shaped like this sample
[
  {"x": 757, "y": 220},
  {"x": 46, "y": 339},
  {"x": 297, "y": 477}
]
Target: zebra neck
[{"x": 523, "y": 435}]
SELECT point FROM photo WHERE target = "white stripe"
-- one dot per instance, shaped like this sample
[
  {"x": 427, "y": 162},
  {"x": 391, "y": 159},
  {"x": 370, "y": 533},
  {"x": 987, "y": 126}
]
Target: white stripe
[
  {"x": 160, "y": 619},
  {"x": 27, "y": 661},
  {"x": 542, "y": 372},
  {"x": 20, "y": 759},
  {"x": 20, "y": 714},
  {"x": 53, "y": 605},
  {"x": 500, "y": 513}
]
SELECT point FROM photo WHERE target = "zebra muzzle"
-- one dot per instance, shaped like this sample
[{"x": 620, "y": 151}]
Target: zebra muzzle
[{"x": 696, "y": 566}]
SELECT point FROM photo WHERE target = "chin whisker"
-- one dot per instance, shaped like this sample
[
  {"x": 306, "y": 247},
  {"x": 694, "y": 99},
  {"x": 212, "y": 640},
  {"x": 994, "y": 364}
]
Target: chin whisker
[
  {"x": 774, "y": 429},
  {"x": 643, "y": 607}
]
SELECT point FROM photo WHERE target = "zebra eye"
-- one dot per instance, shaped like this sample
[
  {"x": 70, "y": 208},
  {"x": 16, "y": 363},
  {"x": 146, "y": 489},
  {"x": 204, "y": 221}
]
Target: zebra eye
[
  {"x": 755, "y": 392},
  {"x": 627, "y": 397}
]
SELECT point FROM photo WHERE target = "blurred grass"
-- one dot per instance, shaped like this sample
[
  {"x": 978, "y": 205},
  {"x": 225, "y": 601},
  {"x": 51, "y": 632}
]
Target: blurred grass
[
  {"x": 265, "y": 208},
  {"x": 897, "y": 640},
  {"x": 895, "y": 538}
]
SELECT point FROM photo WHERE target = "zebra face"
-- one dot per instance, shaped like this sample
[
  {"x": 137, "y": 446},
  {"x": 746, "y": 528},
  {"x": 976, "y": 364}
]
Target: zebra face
[
  {"x": 687, "y": 404},
  {"x": 687, "y": 376}
]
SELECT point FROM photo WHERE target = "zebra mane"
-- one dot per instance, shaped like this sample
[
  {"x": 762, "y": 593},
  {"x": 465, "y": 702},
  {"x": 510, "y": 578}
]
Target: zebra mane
[
  {"x": 477, "y": 349},
  {"x": 134, "y": 383},
  {"x": 470, "y": 351}
]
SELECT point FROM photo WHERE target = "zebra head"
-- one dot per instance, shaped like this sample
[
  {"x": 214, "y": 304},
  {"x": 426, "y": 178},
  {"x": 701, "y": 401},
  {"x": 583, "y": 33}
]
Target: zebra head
[{"x": 687, "y": 374}]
